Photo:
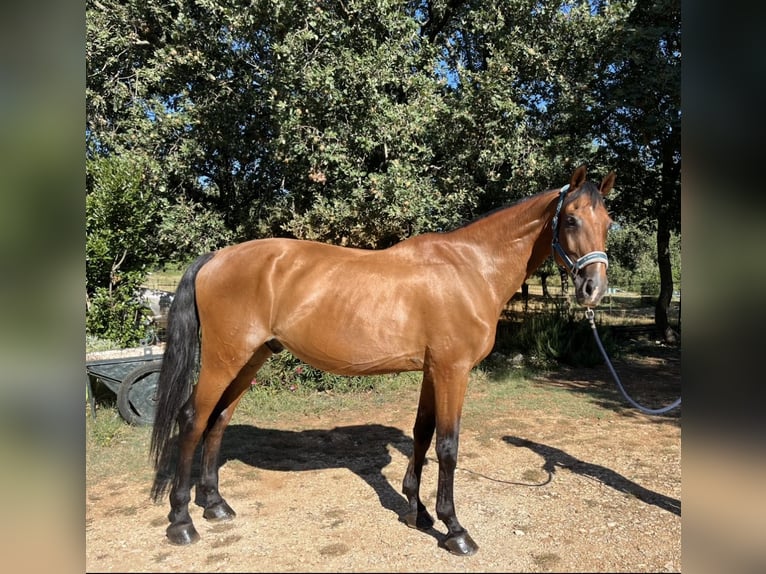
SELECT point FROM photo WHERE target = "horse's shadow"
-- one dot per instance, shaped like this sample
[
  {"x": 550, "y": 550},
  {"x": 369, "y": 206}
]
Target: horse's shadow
[
  {"x": 555, "y": 458},
  {"x": 362, "y": 449}
]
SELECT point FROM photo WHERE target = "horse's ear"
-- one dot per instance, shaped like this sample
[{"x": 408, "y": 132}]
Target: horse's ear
[
  {"x": 578, "y": 177},
  {"x": 607, "y": 184}
]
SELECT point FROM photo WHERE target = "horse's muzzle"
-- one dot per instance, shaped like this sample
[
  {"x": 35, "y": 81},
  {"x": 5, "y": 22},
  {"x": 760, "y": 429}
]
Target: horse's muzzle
[{"x": 590, "y": 285}]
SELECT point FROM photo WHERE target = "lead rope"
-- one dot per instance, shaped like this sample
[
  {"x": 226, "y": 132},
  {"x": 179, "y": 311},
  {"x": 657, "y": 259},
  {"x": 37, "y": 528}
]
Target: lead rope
[{"x": 589, "y": 314}]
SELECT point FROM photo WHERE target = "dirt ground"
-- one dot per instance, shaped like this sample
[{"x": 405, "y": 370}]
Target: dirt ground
[{"x": 539, "y": 489}]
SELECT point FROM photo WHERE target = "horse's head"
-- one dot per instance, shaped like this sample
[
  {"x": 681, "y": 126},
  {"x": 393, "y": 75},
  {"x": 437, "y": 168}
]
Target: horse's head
[{"x": 579, "y": 235}]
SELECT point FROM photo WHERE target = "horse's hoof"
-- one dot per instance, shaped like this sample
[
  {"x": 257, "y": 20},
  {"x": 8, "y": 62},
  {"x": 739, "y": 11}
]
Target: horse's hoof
[
  {"x": 219, "y": 512},
  {"x": 418, "y": 520},
  {"x": 182, "y": 534},
  {"x": 461, "y": 544}
]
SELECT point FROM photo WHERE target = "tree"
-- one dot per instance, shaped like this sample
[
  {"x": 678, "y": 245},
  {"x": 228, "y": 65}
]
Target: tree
[
  {"x": 368, "y": 121},
  {"x": 140, "y": 174},
  {"x": 359, "y": 111},
  {"x": 121, "y": 217},
  {"x": 640, "y": 123},
  {"x": 144, "y": 60},
  {"x": 592, "y": 82}
]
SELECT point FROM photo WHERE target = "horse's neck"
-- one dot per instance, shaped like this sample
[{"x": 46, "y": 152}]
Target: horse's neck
[{"x": 514, "y": 242}]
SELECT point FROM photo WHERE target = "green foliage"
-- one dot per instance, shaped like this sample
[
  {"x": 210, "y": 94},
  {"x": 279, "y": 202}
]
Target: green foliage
[
  {"x": 368, "y": 122},
  {"x": 121, "y": 218},
  {"x": 633, "y": 259},
  {"x": 362, "y": 123},
  {"x": 555, "y": 335},
  {"x": 284, "y": 372},
  {"x": 188, "y": 229},
  {"x": 630, "y": 249},
  {"x": 291, "y": 117},
  {"x": 116, "y": 314}
]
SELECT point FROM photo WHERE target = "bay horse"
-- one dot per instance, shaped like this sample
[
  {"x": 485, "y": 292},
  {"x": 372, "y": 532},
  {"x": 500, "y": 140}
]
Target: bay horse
[{"x": 429, "y": 303}]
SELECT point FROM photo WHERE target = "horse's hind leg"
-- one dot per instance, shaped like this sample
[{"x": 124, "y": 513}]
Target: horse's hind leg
[
  {"x": 423, "y": 432},
  {"x": 181, "y": 529},
  {"x": 193, "y": 421},
  {"x": 208, "y": 495}
]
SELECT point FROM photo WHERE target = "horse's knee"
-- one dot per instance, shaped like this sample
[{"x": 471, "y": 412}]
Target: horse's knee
[{"x": 446, "y": 450}]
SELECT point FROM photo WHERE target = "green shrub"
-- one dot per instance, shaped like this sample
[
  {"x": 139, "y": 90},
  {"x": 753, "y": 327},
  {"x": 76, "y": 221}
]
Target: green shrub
[
  {"x": 555, "y": 335},
  {"x": 121, "y": 216},
  {"x": 116, "y": 314},
  {"x": 285, "y": 372}
]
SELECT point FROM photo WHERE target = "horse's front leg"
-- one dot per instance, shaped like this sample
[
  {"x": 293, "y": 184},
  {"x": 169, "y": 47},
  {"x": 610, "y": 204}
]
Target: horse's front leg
[
  {"x": 458, "y": 540},
  {"x": 422, "y": 432},
  {"x": 449, "y": 393}
]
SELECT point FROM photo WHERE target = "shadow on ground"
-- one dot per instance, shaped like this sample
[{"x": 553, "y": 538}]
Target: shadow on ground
[{"x": 556, "y": 458}]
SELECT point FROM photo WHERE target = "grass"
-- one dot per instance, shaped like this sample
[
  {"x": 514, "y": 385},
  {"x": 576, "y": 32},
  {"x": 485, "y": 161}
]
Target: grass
[
  {"x": 114, "y": 448},
  {"x": 491, "y": 389},
  {"x": 269, "y": 403},
  {"x": 94, "y": 344}
]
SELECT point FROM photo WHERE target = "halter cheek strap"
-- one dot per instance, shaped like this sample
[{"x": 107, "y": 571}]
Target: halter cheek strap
[{"x": 572, "y": 267}]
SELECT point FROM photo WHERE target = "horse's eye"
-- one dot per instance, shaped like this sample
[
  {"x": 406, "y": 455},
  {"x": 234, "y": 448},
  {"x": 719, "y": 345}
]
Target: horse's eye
[{"x": 572, "y": 221}]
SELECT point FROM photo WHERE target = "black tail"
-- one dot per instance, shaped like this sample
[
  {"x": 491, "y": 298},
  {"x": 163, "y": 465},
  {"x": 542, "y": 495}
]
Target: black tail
[{"x": 178, "y": 362}]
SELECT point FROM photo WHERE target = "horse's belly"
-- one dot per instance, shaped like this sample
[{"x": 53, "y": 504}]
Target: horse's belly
[
  {"x": 342, "y": 358},
  {"x": 350, "y": 351}
]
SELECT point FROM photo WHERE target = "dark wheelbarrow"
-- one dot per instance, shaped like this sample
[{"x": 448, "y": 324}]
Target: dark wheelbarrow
[{"x": 132, "y": 377}]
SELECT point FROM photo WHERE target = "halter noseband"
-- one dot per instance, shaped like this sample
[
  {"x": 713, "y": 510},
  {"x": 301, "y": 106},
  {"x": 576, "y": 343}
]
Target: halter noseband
[{"x": 572, "y": 267}]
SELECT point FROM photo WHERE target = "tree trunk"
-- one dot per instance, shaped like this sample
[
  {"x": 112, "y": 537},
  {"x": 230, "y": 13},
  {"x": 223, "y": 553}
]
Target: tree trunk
[
  {"x": 666, "y": 283},
  {"x": 665, "y": 211},
  {"x": 525, "y": 295}
]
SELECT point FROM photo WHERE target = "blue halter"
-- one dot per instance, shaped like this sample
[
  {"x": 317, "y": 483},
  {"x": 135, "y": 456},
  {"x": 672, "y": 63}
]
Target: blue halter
[{"x": 572, "y": 267}]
